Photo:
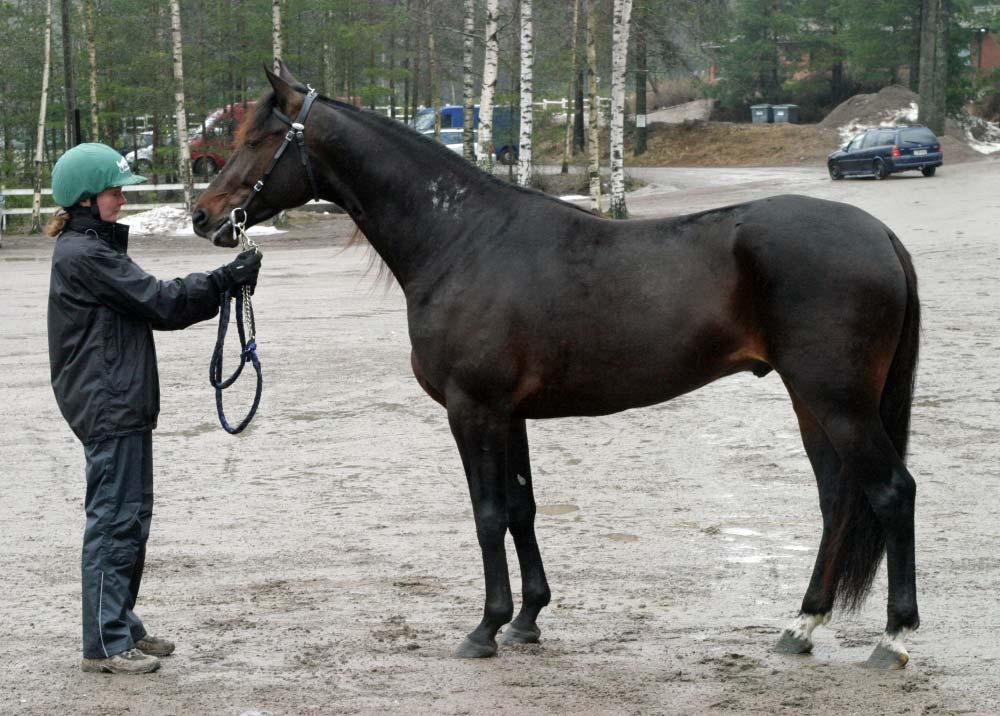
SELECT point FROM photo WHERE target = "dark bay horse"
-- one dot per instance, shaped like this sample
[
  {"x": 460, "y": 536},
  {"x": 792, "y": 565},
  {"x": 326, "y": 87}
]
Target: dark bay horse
[{"x": 523, "y": 307}]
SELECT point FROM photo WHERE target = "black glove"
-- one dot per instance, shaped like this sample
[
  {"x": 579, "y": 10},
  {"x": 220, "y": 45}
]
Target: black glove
[{"x": 242, "y": 271}]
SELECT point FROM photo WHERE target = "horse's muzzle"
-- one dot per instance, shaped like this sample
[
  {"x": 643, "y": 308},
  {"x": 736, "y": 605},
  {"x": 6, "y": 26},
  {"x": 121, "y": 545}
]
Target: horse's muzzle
[{"x": 223, "y": 236}]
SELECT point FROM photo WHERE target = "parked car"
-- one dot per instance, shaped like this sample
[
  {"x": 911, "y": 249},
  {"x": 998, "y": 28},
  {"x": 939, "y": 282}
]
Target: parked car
[
  {"x": 212, "y": 142},
  {"x": 506, "y": 129},
  {"x": 141, "y": 157},
  {"x": 887, "y": 150}
]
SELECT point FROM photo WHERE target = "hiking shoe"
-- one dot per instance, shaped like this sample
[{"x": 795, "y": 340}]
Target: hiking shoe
[
  {"x": 155, "y": 646},
  {"x": 132, "y": 661}
]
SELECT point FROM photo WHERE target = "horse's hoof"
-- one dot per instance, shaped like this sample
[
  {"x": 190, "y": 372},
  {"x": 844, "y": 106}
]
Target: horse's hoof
[
  {"x": 791, "y": 643},
  {"x": 476, "y": 650},
  {"x": 888, "y": 656},
  {"x": 515, "y": 635}
]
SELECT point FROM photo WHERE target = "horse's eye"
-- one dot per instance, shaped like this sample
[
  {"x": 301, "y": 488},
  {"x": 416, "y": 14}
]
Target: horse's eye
[{"x": 251, "y": 143}]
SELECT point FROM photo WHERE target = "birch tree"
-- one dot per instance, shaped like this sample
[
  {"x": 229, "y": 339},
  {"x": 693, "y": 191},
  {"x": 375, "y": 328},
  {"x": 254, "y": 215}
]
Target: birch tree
[
  {"x": 619, "y": 54},
  {"x": 593, "y": 149},
  {"x": 328, "y": 76},
  {"x": 568, "y": 141},
  {"x": 95, "y": 129},
  {"x": 276, "y": 34},
  {"x": 468, "y": 117},
  {"x": 489, "y": 86},
  {"x": 527, "y": 94},
  {"x": 432, "y": 71},
  {"x": 36, "y": 205},
  {"x": 69, "y": 81},
  {"x": 180, "y": 111}
]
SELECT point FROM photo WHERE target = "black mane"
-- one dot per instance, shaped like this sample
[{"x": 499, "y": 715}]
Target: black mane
[{"x": 268, "y": 103}]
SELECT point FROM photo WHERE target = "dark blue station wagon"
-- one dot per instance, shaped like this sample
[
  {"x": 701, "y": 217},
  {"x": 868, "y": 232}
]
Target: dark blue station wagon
[{"x": 884, "y": 151}]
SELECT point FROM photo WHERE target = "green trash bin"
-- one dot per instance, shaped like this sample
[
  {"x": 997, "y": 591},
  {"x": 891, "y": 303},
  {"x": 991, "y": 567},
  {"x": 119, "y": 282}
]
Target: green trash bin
[
  {"x": 761, "y": 113},
  {"x": 786, "y": 113}
]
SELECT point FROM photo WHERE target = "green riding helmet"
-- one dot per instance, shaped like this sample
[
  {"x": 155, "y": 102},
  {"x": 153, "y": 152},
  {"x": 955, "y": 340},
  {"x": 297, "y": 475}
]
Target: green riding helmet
[{"x": 88, "y": 169}]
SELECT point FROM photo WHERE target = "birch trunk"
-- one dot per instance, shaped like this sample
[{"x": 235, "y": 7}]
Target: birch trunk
[
  {"x": 468, "y": 117},
  {"x": 72, "y": 136},
  {"x": 180, "y": 108},
  {"x": 36, "y": 204},
  {"x": 95, "y": 129},
  {"x": 568, "y": 143},
  {"x": 593, "y": 149},
  {"x": 432, "y": 72},
  {"x": 276, "y": 33},
  {"x": 328, "y": 89},
  {"x": 619, "y": 55},
  {"x": 489, "y": 87},
  {"x": 527, "y": 94}
]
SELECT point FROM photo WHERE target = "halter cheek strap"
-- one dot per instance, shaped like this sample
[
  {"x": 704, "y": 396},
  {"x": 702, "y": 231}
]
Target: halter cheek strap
[{"x": 295, "y": 133}]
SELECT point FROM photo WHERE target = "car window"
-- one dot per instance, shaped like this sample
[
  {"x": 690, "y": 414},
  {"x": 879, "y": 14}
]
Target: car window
[
  {"x": 918, "y": 135},
  {"x": 885, "y": 138},
  {"x": 868, "y": 140}
]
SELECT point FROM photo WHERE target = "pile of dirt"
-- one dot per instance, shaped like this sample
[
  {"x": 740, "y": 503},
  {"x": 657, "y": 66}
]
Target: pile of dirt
[{"x": 889, "y": 106}]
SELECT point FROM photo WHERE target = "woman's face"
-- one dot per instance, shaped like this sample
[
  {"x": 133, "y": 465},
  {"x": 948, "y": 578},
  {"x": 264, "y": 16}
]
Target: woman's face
[{"x": 110, "y": 202}]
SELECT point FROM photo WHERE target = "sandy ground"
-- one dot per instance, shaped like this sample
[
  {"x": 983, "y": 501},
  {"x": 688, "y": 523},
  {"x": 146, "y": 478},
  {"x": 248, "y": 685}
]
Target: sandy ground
[{"x": 326, "y": 563}]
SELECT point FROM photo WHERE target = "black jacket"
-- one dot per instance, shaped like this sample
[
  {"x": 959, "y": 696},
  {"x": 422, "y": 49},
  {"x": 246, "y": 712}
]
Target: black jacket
[{"x": 102, "y": 308}]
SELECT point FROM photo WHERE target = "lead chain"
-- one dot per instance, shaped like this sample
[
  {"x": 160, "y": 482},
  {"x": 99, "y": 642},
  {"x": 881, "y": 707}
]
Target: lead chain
[{"x": 247, "y": 243}]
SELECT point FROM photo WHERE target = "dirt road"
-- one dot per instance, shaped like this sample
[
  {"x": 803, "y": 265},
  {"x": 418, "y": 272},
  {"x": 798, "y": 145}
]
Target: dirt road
[{"x": 326, "y": 562}]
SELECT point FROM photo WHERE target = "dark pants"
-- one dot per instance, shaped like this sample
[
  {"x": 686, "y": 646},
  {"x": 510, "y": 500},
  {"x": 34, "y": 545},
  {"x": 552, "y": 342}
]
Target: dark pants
[{"x": 119, "y": 509}]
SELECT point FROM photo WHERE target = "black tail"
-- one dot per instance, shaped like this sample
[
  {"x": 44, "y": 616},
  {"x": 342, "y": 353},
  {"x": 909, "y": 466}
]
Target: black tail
[
  {"x": 858, "y": 542},
  {"x": 897, "y": 395}
]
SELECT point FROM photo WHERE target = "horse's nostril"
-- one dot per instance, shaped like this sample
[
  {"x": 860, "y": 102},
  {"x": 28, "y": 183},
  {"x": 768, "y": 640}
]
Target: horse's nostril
[{"x": 198, "y": 217}]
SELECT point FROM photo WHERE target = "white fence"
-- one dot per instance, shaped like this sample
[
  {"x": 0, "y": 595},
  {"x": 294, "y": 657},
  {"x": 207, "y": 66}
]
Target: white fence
[{"x": 127, "y": 208}]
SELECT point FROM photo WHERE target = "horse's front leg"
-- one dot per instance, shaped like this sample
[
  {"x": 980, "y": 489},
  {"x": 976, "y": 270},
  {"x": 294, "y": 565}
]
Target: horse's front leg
[
  {"x": 521, "y": 517},
  {"x": 481, "y": 434}
]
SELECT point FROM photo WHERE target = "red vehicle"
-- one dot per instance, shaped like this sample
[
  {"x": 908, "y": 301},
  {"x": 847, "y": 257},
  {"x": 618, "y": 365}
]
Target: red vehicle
[{"x": 212, "y": 144}]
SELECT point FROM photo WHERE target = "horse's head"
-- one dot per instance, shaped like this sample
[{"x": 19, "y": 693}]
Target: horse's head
[{"x": 257, "y": 143}]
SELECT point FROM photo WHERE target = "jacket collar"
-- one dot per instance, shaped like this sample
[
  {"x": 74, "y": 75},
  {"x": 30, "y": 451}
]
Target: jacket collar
[{"x": 86, "y": 221}]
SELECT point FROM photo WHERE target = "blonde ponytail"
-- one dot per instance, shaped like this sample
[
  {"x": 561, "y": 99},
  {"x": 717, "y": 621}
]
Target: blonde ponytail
[{"x": 57, "y": 223}]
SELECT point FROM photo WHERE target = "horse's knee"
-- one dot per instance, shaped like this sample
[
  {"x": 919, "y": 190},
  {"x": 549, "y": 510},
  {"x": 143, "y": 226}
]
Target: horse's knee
[
  {"x": 893, "y": 499},
  {"x": 491, "y": 526}
]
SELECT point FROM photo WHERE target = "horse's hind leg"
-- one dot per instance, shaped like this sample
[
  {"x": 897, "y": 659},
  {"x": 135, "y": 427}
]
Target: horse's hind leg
[
  {"x": 871, "y": 459},
  {"x": 521, "y": 522},
  {"x": 872, "y": 510},
  {"x": 817, "y": 604}
]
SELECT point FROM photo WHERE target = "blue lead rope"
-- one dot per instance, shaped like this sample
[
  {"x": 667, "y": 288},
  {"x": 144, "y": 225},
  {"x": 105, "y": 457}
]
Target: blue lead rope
[{"x": 248, "y": 350}]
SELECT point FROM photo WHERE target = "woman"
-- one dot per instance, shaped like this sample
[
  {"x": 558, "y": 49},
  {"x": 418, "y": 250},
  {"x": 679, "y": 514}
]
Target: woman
[{"x": 102, "y": 309}]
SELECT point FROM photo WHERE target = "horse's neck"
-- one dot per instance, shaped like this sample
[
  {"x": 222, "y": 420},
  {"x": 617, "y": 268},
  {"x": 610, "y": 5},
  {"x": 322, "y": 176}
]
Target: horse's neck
[{"x": 412, "y": 202}]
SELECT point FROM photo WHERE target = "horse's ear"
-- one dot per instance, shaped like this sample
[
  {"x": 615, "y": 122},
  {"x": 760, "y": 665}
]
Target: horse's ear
[
  {"x": 289, "y": 99},
  {"x": 286, "y": 74}
]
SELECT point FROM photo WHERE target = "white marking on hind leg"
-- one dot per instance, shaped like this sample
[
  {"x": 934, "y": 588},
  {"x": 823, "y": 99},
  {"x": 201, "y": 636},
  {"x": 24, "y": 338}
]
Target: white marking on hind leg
[
  {"x": 804, "y": 624},
  {"x": 894, "y": 642}
]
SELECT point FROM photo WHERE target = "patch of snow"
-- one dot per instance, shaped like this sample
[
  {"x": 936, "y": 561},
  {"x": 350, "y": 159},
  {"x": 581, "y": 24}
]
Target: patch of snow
[
  {"x": 982, "y": 135},
  {"x": 168, "y": 221},
  {"x": 892, "y": 118}
]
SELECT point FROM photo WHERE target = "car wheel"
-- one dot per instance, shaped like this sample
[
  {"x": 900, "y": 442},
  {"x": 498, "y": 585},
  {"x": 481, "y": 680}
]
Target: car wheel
[
  {"x": 928, "y": 171},
  {"x": 834, "y": 170},
  {"x": 144, "y": 167},
  {"x": 505, "y": 156},
  {"x": 879, "y": 169}
]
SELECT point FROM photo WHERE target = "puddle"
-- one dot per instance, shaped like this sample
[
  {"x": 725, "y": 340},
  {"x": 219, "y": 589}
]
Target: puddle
[
  {"x": 622, "y": 537},
  {"x": 739, "y": 532},
  {"x": 556, "y": 509}
]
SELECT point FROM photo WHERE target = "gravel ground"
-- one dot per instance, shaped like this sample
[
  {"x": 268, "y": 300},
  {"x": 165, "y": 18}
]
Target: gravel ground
[{"x": 325, "y": 562}]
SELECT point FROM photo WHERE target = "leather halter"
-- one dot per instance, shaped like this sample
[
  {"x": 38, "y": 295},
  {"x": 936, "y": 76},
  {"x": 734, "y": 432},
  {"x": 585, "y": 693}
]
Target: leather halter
[{"x": 295, "y": 133}]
